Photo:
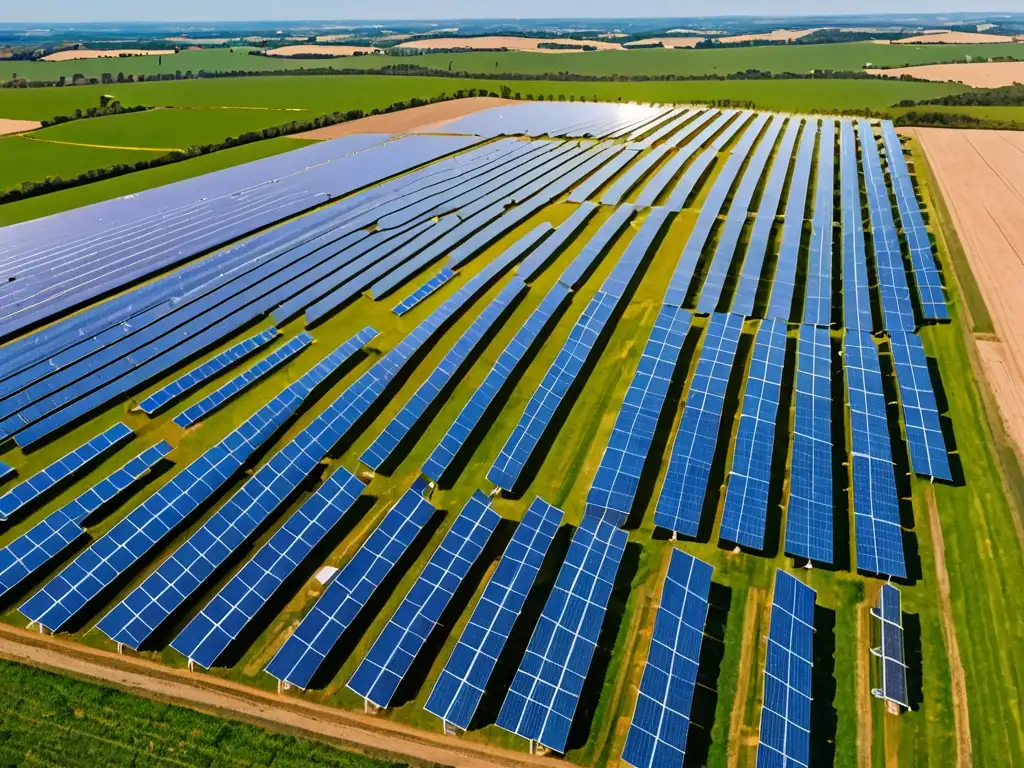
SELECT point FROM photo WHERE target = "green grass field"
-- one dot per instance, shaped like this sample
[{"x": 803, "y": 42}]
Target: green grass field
[
  {"x": 984, "y": 558},
  {"x": 26, "y": 159},
  {"x": 652, "y": 62}
]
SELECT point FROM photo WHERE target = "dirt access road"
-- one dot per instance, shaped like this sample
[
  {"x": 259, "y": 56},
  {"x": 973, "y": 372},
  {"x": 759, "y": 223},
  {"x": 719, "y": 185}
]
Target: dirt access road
[
  {"x": 981, "y": 176},
  {"x": 227, "y": 699}
]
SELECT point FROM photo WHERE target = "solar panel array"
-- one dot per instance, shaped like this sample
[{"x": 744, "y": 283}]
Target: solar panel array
[
  {"x": 31, "y": 491},
  {"x": 660, "y": 181},
  {"x": 378, "y": 676},
  {"x": 876, "y": 513},
  {"x": 236, "y": 386},
  {"x": 785, "y": 738},
  {"x": 221, "y": 621},
  {"x": 199, "y": 375},
  {"x": 420, "y": 294},
  {"x": 809, "y": 514},
  {"x": 682, "y": 494},
  {"x": 298, "y": 660},
  {"x": 460, "y": 686},
  {"x": 927, "y": 445},
  {"x": 818, "y": 289},
  {"x": 661, "y": 721},
  {"x": 889, "y": 613},
  {"x": 545, "y": 691},
  {"x": 542, "y": 255},
  {"x": 746, "y": 497}
]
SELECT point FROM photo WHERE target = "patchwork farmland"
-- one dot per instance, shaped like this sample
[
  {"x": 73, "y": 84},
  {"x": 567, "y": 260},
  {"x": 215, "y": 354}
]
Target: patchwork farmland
[{"x": 607, "y": 431}]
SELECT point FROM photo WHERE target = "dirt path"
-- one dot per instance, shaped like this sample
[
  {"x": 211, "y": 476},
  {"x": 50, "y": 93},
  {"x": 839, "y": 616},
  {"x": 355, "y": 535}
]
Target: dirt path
[
  {"x": 8, "y": 126},
  {"x": 228, "y": 699},
  {"x": 958, "y": 680},
  {"x": 748, "y": 665},
  {"x": 426, "y": 119},
  {"x": 102, "y": 146},
  {"x": 863, "y": 691}
]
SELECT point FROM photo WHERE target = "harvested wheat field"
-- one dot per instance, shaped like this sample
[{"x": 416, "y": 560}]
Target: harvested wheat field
[
  {"x": 8, "y": 127},
  {"x": 86, "y": 53},
  {"x": 981, "y": 176},
  {"x": 953, "y": 38},
  {"x": 322, "y": 50},
  {"x": 980, "y": 75},
  {"x": 666, "y": 42},
  {"x": 427, "y": 119},
  {"x": 509, "y": 42},
  {"x": 776, "y": 35}
]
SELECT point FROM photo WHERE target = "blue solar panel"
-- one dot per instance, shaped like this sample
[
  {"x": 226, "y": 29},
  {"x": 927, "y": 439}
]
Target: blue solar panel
[
  {"x": 304, "y": 651},
  {"x": 894, "y": 666},
  {"x": 177, "y": 578},
  {"x": 856, "y": 292},
  {"x": 203, "y": 373},
  {"x": 633, "y": 175},
  {"x": 425, "y": 290},
  {"x": 458, "y": 690},
  {"x": 809, "y": 515},
  {"x": 876, "y": 513},
  {"x": 682, "y": 495},
  {"x": 661, "y": 180},
  {"x": 546, "y": 251},
  {"x": 478, "y": 333},
  {"x": 746, "y": 498},
  {"x": 675, "y": 121},
  {"x": 729, "y": 234},
  {"x": 208, "y": 635},
  {"x": 504, "y": 369},
  {"x": 785, "y": 738},
  {"x": 767, "y": 210},
  {"x": 5, "y": 471},
  {"x": 541, "y": 408},
  {"x": 58, "y": 530},
  {"x": 388, "y": 660},
  {"x": 897, "y": 308},
  {"x": 236, "y": 386},
  {"x": 542, "y": 699},
  {"x": 619, "y": 160},
  {"x": 31, "y": 491},
  {"x": 698, "y": 168},
  {"x": 613, "y": 491},
  {"x": 927, "y": 446},
  {"x": 818, "y": 293},
  {"x": 780, "y": 304},
  {"x": 657, "y": 733},
  {"x": 573, "y": 274},
  {"x": 926, "y": 273}
]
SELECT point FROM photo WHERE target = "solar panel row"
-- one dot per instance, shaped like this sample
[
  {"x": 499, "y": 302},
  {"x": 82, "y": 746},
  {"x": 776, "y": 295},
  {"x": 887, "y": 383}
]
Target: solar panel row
[
  {"x": 542, "y": 255},
  {"x": 622, "y": 157},
  {"x": 223, "y": 619},
  {"x": 676, "y": 120},
  {"x": 5, "y": 471},
  {"x": 636, "y": 172},
  {"x": 856, "y": 287},
  {"x": 889, "y": 613},
  {"x": 661, "y": 721},
  {"x": 572, "y": 276},
  {"x": 134, "y": 620},
  {"x": 459, "y": 688},
  {"x": 693, "y": 448},
  {"x": 203, "y": 373},
  {"x": 298, "y": 660},
  {"x": 818, "y": 291},
  {"x": 420, "y": 294},
  {"x": 545, "y": 691},
  {"x": 58, "y": 530},
  {"x": 31, "y": 491},
  {"x": 236, "y": 386},
  {"x": 746, "y": 497},
  {"x": 660, "y": 181}
]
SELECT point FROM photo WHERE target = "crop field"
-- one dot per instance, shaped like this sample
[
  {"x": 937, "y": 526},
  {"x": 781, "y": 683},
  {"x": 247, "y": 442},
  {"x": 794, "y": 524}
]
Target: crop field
[
  {"x": 27, "y": 159},
  {"x": 963, "y": 616}
]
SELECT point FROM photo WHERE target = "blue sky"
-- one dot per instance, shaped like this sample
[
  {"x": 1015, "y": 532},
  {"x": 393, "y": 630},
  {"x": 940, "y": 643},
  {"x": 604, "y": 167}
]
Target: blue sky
[{"x": 224, "y": 10}]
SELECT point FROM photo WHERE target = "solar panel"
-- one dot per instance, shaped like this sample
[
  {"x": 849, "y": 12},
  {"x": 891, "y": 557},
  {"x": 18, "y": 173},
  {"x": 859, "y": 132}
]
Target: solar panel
[
  {"x": 767, "y": 210},
  {"x": 573, "y": 274},
  {"x": 58, "y": 530},
  {"x": 785, "y": 738},
  {"x": 657, "y": 733},
  {"x": 661, "y": 180},
  {"x": 897, "y": 308},
  {"x": 460, "y": 686},
  {"x": 926, "y": 273},
  {"x": 809, "y": 514},
  {"x": 856, "y": 293},
  {"x": 176, "y": 579},
  {"x": 818, "y": 292},
  {"x": 746, "y": 497},
  {"x": 927, "y": 446},
  {"x": 876, "y": 513},
  {"x": 780, "y": 302},
  {"x": 224, "y": 618},
  {"x": 545, "y": 691},
  {"x": 637, "y": 171},
  {"x": 378, "y": 676},
  {"x": 203, "y": 373},
  {"x": 677, "y": 119},
  {"x": 541, "y": 256},
  {"x": 729, "y": 234},
  {"x": 478, "y": 333},
  {"x": 304, "y": 651},
  {"x": 698, "y": 168},
  {"x": 5, "y": 471},
  {"x": 540, "y": 410},
  {"x": 600, "y": 177},
  {"x": 613, "y": 491},
  {"x": 693, "y": 449},
  {"x": 236, "y": 386},
  {"x": 894, "y": 667},
  {"x": 31, "y": 491},
  {"x": 425, "y": 290}
]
